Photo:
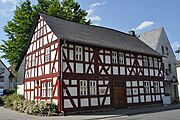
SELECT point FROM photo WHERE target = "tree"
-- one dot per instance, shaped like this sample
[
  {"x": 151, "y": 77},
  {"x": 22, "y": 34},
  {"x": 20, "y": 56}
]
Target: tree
[{"x": 17, "y": 30}]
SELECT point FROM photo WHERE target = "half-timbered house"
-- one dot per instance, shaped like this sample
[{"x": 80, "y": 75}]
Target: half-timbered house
[{"x": 85, "y": 67}]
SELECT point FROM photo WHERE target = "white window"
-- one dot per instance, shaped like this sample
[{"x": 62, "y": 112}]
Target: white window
[
  {"x": 121, "y": 58},
  {"x": 93, "y": 88},
  {"x": 33, "y": 60},
  {"x": 39, "y": 33},
  {"x": 83, "y": 87},
  {"x": 155, "y": 63},
  {"x": 128, "y": 91},
  {"x": 43, "y": 89},
  {"x": 78, "y": 53},
  {"x": 150, "y": 62},
  {"x": 49, "y": 89},
  {"x": 47, "y": 54},
  {"x": 156, "y": 87},
  {"x": 114, "y": 57},
  {"x": 146, "y": 87},
  {"x": 145, "y": 61}
]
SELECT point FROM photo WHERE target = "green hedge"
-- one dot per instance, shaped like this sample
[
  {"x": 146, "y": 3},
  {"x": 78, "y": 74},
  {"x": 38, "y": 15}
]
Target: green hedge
[{"x": 18, "y": 103}]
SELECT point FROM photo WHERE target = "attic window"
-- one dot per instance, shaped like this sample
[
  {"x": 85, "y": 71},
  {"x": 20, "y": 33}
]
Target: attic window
[
  {"x": 162, "y": 47},
  {"x": 78, "y": 53},
  {"x": 114, "y": 57},
  {"x": 145, "y": 61},
  {"x": 121, "y": 58},
  {"x": 167, "y": 52},
  {"x": 47, "y": 54}
]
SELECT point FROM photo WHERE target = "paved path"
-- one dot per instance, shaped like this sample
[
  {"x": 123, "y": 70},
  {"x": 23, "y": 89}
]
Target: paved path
[{"x": 124, "y": 114}]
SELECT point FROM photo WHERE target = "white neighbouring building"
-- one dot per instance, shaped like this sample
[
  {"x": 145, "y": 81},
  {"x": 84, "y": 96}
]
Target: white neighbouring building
[
  {"x": 6, "y": 77},
  {"x": 158, "y": 40}
]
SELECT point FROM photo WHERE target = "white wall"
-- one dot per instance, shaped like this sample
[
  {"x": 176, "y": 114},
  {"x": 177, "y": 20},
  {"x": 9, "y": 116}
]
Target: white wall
[{"x": 6, "y": 74}]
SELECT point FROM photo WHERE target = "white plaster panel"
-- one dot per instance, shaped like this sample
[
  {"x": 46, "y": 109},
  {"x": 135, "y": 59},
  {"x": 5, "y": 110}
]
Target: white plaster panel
[
  {"x": 106, "y": 82},
  {"x": 91, "y": 55},
  {"x": 127, "y": 61},
  {"x": 76, "y": 102},
  {"x": 145, "y": 72},
  {"x": 55, "y": 101},
  {"x": 152, "y": 83},
  {"x": 115, "y": 70},
  {"x": 100, "y": 82},
  {"x": 47, "y": 67},
  {"x": 122, "y": 70},
  {"x": 36, "y": 92},
  {"x": 92, "y": 67},
  {"x": 32, "y": 95},
  {"x": 162, "y": 90},
  {"x": 101, "y": 51},
  {"x": 158, "y": 97},
  {"x": 140, "y": 62},
  {"x": 156, "y": 72},
  {"x": 141, "y": 90},
  {"x": 101, "y": 99},
  {"x": 151, "y": 72},
  {"x": 101, "y": 57},
  {"x": 54, "y": 37},
  {"x": 94, "y": 102},
  {"x": 32, "y": 84},
  {"x": 142, "y": 98},
  {"x": 53, "y": 54},
  {"x": 56, "y": 45},
  {"x": 74, "y": 82},
  {"x": 72, "y": 66},
  {"x": 79, "y": 68},
  {"x": 65, "y": 52},
  {"x": 66, "y": 82},
  {"x": 107, "y": 59},
  {"x": 161, "y": 83},
  {"x": 148, "y": 98},
  {"x": 107, "y": 51},
  {"x": 84, "y": 102},
  {"x": 45, "y": 40},
  {"x": 32, "y": 72},
  {"x": 28, "y": 85},
  {"x": 67, "y": 103},
  {"x": 107, "y": 101},
  {"x": 72, "y": 91},
  {"x": 135, "y": 100},
  {"x": 140, "y": 83},
  {"x": 134, "y": 83},
  {"x": 64, "y": 66},
  {"x": 128, "y": 83},
  {"x": 152, "y": 90},
  {"x": 129, "y": 99},
  {"x": 48, "y": 28},
  {"x": 153, "y": 98},
  {"x": 71, "y": 55}
]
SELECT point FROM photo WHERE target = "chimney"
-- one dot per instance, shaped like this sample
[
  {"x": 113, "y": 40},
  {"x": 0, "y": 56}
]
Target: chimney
[{"x": 132, "y": 32}]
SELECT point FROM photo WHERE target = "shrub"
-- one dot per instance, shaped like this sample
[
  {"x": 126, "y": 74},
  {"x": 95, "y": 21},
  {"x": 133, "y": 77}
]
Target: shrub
[
  {"x": 18, "y": 103},
  {"x": 9, "y": 100}
]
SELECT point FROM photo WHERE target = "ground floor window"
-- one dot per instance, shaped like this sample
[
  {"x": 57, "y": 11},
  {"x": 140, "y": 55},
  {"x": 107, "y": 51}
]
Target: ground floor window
[
  {"x": 43, "y": 89},
  {"x": 83, "y": 87},
  {"x": 49, "y": 89},
  {"x": 93, "y": 88},
  {"x": 146, "y": 87}
]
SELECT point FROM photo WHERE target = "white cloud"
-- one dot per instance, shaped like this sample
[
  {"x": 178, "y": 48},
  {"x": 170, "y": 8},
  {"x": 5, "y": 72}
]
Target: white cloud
[
  {"x": 93, "y": 7},
  {"x": 95, "y": 18},
  {"x": 144, "y": 24}
]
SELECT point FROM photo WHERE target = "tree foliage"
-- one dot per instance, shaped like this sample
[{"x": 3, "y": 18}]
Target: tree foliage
[{"x": 17, "y": 30}]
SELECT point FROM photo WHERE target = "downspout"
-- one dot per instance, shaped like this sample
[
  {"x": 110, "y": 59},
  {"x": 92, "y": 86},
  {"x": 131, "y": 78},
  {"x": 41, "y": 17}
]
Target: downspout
[{"x": 61, "y": 76}]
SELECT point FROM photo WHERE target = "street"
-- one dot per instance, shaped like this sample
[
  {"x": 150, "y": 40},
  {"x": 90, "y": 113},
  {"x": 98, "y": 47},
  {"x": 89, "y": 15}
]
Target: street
[{"x": 6, "y": 114}]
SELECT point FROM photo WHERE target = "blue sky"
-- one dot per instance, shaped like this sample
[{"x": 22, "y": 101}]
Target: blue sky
[{"x": 122, "y": 15}]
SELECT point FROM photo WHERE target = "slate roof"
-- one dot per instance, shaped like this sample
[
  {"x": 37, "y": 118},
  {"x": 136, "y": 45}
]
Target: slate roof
[
  {"x": 96, "y": 36},
  {"x": 151, "y": 38}
]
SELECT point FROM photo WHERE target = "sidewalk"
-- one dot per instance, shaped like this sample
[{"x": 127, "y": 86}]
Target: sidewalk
[{"x": 131, "y": 111}]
